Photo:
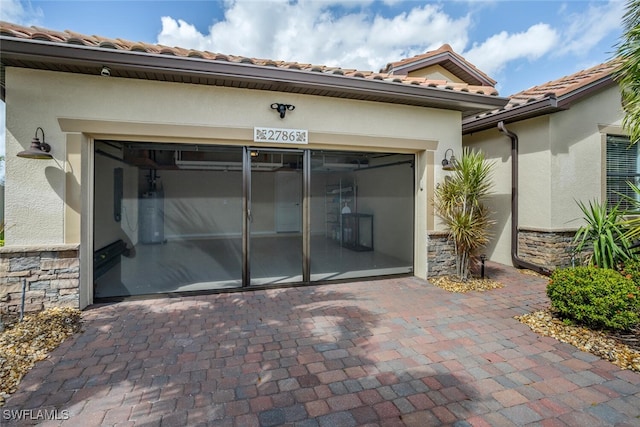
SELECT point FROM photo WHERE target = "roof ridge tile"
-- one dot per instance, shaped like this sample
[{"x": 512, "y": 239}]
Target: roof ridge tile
[
  {"x": 71, "y": 37},
  {"x": 443, "y": 51}
]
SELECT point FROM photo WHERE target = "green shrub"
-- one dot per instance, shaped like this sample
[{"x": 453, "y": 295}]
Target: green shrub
[
  {"x": 595, "y": 297},
  {"x": 631, "y": 270}
]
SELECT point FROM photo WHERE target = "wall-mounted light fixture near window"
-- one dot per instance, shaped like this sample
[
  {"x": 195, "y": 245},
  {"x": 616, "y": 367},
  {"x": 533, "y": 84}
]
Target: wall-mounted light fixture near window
[
  {"x": 282, "y": 108},
  {"x": 38, "y": 150},
  {"x": 450, "y": 163}
]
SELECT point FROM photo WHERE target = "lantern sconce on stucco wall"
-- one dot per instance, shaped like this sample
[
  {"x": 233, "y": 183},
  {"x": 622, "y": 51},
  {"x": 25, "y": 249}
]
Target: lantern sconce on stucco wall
[
  {"x": 450, "y": 163},
  {"x": 37, "y": 150}
]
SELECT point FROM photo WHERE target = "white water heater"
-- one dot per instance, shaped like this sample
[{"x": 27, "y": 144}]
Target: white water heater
[{"x": 151, "y": 217}]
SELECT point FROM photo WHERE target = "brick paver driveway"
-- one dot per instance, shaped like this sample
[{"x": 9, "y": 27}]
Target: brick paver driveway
[{"x": 387, "y": 352}]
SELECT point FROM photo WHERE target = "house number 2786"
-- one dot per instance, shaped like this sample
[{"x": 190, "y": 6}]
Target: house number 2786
[{"x": 283, "y": 136}]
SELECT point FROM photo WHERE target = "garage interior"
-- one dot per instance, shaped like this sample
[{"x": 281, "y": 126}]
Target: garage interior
[{"x": 179, "y": 218}]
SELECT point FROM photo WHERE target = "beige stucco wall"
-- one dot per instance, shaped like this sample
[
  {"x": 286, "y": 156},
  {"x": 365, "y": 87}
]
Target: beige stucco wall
[
  {"x": 497, "y": 149},
  {"x": 560, "y": 162},
  {"x": 72, "y": 109},
  {"x": 577, "y": 161},
  {"x": 145, "y": 110},
  {"x": 436, "y": 72},
  {"x": 534, "y": 180}
]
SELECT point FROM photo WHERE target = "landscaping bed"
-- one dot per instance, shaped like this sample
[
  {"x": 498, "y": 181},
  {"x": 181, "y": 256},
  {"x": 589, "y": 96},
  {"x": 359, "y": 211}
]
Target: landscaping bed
[
  {"x": 22, "y": 344},
  {"x": 622, "y": 348},
  {"x": 449, "y": 283}
]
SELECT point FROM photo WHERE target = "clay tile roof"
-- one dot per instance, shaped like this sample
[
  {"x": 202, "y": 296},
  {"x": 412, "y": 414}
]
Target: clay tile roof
[
  {"x": 429, "y": 54},
  {"x": 567, "y": 84},
  {"x": 564, "y": 87},
  {"x": 445, "y": 57},
  {"x": 70, "y": 37},
  {"x": 546, "y": 98}
]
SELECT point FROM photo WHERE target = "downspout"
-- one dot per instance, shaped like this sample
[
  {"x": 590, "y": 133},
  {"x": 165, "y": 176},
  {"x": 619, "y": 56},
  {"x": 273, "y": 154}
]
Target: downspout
[{"x": 515, "y": 259}]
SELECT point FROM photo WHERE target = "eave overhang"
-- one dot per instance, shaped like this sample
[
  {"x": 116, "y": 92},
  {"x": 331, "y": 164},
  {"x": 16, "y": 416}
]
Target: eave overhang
[
  {"x": 534, "y": 108},
  {"x": 450, "y": 63},
  {"x": 489, "y": 120},
  {"x": 52, "y": 56}
]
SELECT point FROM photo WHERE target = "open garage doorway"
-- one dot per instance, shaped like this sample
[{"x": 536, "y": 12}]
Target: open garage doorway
[{"x": 180, "y": 218}]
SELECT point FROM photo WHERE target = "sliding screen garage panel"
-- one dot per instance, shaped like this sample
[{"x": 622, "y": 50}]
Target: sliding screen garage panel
[
  {"x": 362, "y": 208},
  {"x": 178, "y": 218},
  {"x": 275, "y": 222},
  {"x": 178, "y": 211}
]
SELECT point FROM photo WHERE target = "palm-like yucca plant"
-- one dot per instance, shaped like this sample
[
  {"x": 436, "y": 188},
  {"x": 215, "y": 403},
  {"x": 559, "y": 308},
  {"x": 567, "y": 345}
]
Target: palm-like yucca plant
[
  {"x": 458, "y": 201},
  {"x": 632, "y": 223},
  {"x": 604, "y": 233}
]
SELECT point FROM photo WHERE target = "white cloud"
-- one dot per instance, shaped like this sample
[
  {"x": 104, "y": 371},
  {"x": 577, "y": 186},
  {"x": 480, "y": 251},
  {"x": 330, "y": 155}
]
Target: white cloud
[
  {"x": 320, "y": 32},
  {"x": 577, "y": 44},
  {"x": 585, "y": 30},
  {"x": 348, "y": 34},
  {"x": 181, "y": 33},
  {"x": 582, "y": 33},
  {"x": 20, "y": 12},
  {"x": 492, "y": 55}
]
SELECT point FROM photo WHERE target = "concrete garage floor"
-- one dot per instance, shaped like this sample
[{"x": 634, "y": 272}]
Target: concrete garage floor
[
  {"x": 204, "y": 264},
  {"x": 380, "y": 353}
]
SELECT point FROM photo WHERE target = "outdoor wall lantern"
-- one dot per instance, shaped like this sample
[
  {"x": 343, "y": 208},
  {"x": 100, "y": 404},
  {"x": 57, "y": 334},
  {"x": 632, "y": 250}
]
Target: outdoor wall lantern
[
  {"x": 38, "y": 150},
  {"x": 450, "y": 163},
  {"x": 282, "y": 108}
]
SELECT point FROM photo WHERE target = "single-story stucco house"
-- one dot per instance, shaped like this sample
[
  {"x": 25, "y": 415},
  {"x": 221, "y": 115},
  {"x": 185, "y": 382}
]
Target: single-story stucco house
[
  {"x": 135, "y": 169},
  {"x": 567, "y": 140}
]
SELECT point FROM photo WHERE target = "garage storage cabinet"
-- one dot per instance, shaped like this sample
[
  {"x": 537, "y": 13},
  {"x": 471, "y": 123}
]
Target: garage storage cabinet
[{"x": 357, "y": 231}]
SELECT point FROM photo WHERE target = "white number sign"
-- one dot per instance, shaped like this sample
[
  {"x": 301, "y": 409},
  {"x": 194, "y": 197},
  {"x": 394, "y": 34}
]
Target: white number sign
[{"x": 282, "y": 136}]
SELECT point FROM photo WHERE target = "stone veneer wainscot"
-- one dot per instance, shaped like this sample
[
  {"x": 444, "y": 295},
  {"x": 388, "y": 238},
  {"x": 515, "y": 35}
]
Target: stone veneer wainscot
[
  {"x": 551, "y": 249},
  {"x": 441, "y": 256},
  {"x": 546, "y": 248},
  {"x": 52, "y": 275}
]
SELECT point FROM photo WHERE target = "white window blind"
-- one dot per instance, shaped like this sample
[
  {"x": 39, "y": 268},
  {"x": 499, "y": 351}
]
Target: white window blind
[{"x": 622, "y": 167}]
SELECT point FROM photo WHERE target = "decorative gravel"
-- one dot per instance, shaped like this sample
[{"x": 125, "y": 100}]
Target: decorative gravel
[
  {"x": 452, "y": 284},
  {"x": 607, "y": 345},
  {"x": 22, "y": 344}
]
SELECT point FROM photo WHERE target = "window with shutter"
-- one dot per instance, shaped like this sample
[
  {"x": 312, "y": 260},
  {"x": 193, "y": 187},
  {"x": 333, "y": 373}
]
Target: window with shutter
[{"x": 622, "y": 167}]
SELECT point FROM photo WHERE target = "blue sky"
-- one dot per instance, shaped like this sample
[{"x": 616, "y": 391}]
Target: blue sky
[{"x": 518, "y": 43}]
